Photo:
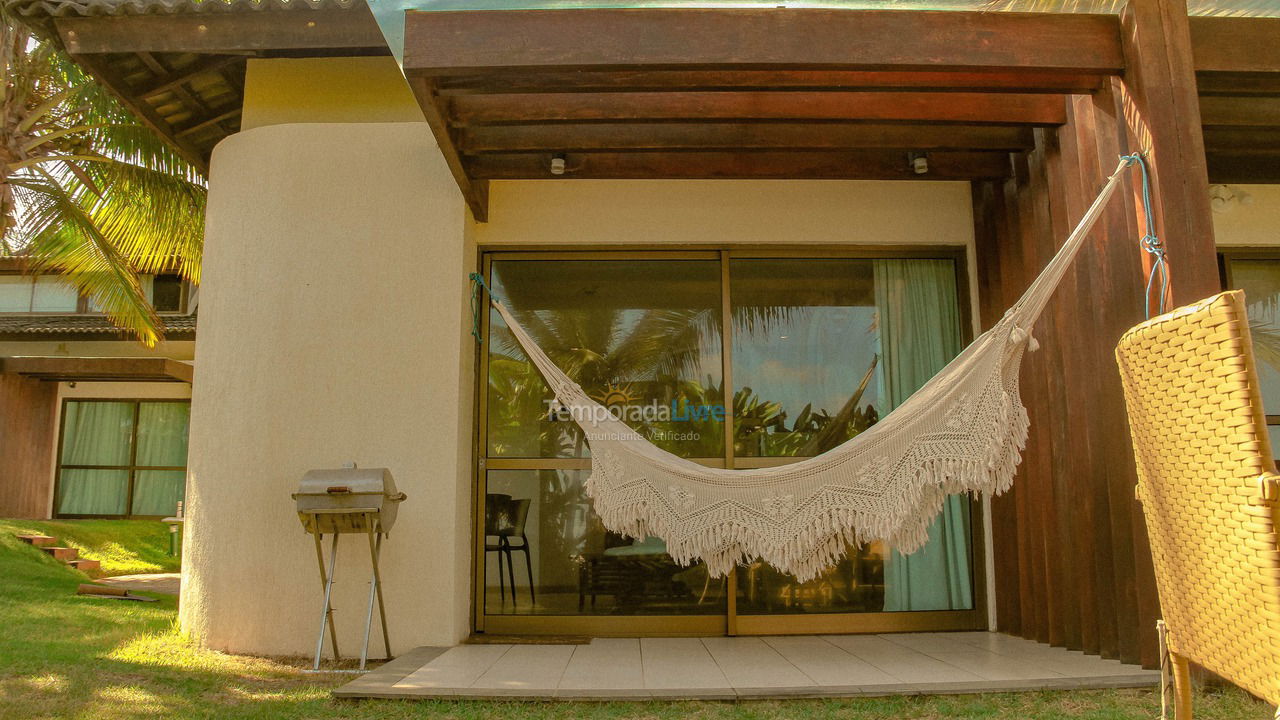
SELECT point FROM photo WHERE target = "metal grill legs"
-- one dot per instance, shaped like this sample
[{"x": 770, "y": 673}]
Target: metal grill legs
[{"x": 375, "y": 592}]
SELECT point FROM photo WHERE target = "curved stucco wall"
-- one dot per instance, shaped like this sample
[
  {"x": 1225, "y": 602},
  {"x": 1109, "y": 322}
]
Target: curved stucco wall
[{"x": 333, "y": 328}]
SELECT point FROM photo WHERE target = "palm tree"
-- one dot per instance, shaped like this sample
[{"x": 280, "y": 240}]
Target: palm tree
[{"x": 86, "y": 191}]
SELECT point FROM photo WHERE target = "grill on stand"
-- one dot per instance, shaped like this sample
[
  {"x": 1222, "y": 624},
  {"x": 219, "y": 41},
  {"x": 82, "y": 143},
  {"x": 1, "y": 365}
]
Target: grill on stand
[{"x": 350, "y": 500}]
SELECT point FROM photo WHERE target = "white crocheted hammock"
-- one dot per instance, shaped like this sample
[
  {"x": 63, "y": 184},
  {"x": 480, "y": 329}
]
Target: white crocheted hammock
[{"x": 964, "y": 431}]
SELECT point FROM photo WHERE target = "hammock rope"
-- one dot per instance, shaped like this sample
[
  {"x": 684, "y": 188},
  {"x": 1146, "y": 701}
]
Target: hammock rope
[
  {"x": 962, "y": 432},
  {"x": 1150, "y": 242}
]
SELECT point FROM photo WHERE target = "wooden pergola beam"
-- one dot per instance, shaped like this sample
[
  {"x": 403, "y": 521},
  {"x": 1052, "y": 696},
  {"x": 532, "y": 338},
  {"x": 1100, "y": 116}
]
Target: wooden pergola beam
[
  {"x": 451, "y": 42},
  {"x": 153, "y": 369},
  {"x": 957, "y": 107},
  {"x": 214, "y": 32},
  {"x": 475, "y": 191},
  {"x": 764, "y": 164},
  {"x": 177, "y": 78},
  {"x": 740, "y": 79},
  {"x": 575, "y": 137},
  {"x": 1235, "y": 44}
]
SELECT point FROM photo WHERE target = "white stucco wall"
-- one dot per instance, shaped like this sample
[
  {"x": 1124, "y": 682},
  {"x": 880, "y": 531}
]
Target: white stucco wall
[{"x": 334, "y": 327}]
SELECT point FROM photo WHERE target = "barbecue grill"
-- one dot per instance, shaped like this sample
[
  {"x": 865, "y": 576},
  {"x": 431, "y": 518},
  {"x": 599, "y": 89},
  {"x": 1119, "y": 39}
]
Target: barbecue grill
[{"x": 349, "y": 500}]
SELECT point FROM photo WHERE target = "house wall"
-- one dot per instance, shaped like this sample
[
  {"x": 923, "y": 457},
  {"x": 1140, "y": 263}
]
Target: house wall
[
  {"x": 347, "y": 339},
  {"x": 1253, "y": 222},
  {"x": 28, "y": 429},
  {"x": 31, "y": 411}
]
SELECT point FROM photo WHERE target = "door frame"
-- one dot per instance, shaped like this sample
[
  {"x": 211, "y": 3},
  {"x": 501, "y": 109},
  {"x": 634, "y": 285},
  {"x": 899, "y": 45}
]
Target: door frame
[{"x": 730, "y": 622}]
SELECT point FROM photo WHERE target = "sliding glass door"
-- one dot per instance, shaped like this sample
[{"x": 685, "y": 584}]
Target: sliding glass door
[{"x": 799, "y": 352}]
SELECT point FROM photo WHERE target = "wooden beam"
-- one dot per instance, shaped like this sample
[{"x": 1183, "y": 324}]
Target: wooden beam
[
  {"x": 1234, "y": 83},
  {"x": 739, "y": 79},
  {"x": 1240, "y": 111},
  {"x": 147, "y": 115},
  {"x": 449, "y": 42},
  {"x": 1244, "y": 167},
  {"x": 1020, "y": 109},
  {"x": 1242, "y": 140},
  {"x": 1162, "y": 110},
  {"x": 1236, "y": 44},
  {"x": 156, "y": 369},
  {"x": 301, "y": 29},
  {"x": 573, "y": 137},
  {"x": 207, "y": 122},
  {"x": 185, "y": 75},
  {"x": 846, "y": 164},
  {"x": 474, "y": 191}
]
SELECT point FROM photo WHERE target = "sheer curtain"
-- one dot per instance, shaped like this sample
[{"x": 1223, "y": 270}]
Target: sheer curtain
[
  {"x": 95, "y": 433},
  {"x": 919, "y": 321},
  {"x": 162, "y": 442}
]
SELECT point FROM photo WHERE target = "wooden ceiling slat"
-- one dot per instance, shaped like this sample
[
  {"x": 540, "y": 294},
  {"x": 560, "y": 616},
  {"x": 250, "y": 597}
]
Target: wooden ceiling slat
[
  {"x": 958, "y": 107},
  {"x": 450, "y": 42},
  {"x": 759, "y": 136},
  {"x": 848, "y": 164},
  {"x": 1243, "y": 167},
  {"x": 1240, "y": 111},
  {"x": 1242, "y": 139},
  {"x": 1236, "y": 44},
  {"x": 683, "y": 80},
  {"x": 209, "y": 64},
  {"x": 474, "y": 190}
]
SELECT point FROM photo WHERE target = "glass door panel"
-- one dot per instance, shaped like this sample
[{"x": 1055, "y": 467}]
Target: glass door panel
[
  {"x": 577, "y": 567},
  {"x": 821, "y": 350}
]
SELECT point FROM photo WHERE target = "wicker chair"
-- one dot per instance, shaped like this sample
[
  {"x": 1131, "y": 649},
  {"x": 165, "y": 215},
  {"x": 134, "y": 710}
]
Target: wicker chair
[{"x": 1209, "y": 491}]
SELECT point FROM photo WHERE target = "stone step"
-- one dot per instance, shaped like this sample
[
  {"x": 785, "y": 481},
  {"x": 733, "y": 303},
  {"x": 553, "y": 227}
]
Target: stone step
[
  {"x": 64, "y": 554},
  {"x": 84, "y": 565},
  {"x": 37, "y": 540}
]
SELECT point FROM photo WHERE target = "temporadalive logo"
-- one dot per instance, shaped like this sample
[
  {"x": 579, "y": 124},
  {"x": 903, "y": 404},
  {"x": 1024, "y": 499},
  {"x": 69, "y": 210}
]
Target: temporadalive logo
[{"x": 622, "y": 403}]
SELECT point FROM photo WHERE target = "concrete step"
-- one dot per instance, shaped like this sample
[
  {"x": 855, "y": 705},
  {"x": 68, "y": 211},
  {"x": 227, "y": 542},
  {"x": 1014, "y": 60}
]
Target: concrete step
[
  {"x": 85, "y": 565},
  {"x": 37, "y": 540},
  {"x": 65, "y": 554}
]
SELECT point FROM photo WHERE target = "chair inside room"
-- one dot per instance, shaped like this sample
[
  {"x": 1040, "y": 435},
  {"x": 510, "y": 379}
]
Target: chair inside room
[
  {"x": 1208, "y": 487},
  {"x": 504, "y": 520}
]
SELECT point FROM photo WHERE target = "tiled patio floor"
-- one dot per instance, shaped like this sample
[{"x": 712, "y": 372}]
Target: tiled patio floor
[{"x": 744, "y": 667}]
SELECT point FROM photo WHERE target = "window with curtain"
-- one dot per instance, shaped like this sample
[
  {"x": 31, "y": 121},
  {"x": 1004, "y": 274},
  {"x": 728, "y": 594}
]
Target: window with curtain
[
  {"x": 1259, "y": 276},
  {"x": 122, "y": 458}
]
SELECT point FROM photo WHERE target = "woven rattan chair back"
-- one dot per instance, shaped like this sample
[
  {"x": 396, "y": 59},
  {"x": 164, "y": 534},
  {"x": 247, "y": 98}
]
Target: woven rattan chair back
[{"x": 1206, "y": 479}]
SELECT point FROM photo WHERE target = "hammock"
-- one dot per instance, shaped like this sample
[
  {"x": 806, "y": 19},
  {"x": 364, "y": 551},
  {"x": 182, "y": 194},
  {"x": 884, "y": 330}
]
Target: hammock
[{"x": 963, "y": 431}]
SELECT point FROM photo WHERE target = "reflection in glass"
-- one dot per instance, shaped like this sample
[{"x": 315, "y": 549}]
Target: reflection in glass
[
  {"x": 1260, "y": 280},
  {"x": 805, "y": 347},
  {"x": 642, "y": 337},
  {"x": 573, "y": 565}
]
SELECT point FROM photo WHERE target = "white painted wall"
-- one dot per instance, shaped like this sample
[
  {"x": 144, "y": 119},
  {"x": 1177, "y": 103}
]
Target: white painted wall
[{"x": 334, "y": 327}]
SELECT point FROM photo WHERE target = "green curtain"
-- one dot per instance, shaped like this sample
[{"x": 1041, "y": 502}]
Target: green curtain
[
  {"x": 95, "y": 433},
  {"x": 919, "y": 322},
  {"x": 162, "y": 442}
]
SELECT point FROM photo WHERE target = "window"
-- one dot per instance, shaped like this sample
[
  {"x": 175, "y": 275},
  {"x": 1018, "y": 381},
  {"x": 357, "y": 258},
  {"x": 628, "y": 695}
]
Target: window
[
  {"x": 24, "y": 294},
  {"x": 1257, "y": 272},
  {"x": 122, "y": 458},
  {"x": 27, "y": 294}
]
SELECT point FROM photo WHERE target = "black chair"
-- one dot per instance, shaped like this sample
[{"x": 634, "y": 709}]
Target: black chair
[{"x": 504, "y": 519}]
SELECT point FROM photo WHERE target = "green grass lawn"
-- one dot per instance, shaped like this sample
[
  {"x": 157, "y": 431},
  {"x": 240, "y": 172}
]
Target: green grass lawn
[
  {"x": 124, "y": 547},
  {"x": 64, "y": 656}
]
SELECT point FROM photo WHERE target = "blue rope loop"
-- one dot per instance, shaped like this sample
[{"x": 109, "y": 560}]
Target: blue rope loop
[
  {"x": 1149, "y": 242},
  {"x": 478, "y": 284}
]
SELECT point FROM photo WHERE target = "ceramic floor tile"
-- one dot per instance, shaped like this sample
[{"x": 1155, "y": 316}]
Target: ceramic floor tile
[
  {"x": 527, "y": 668},
  {"x": 680, "y": 663},
  {"x": 827, "y": 664},
  {"x": 749, "y": 662},
  {"x": 991, "y": 666},
  {"x": 927, "y": 643},
  {"x": 605, "y": 664},
  {"x": 903, "y": 663},
  {"x": 457, "y": 668}
]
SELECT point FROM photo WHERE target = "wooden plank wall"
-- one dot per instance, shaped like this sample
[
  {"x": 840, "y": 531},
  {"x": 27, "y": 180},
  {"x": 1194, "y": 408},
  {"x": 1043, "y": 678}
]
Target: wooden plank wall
[
  {"x": 1072, "y": 568},
  {"x": 28, "y": 433}
]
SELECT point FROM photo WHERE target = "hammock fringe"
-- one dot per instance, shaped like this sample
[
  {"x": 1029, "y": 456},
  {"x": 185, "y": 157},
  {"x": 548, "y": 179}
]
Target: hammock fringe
[{"x": 826, "y": 535}]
